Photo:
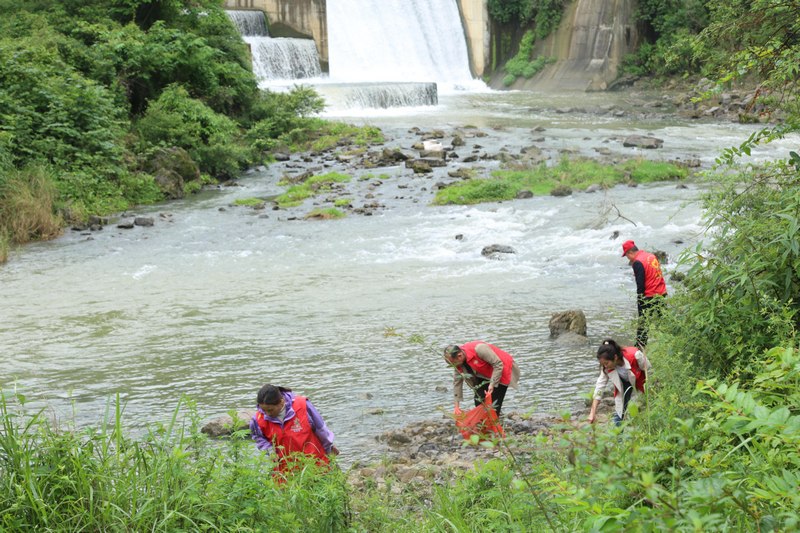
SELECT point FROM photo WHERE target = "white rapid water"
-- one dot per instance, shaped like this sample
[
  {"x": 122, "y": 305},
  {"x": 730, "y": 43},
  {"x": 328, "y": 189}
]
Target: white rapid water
[
  {"x": 276, "y": 59},
  {"x": 398, "y": 40}
]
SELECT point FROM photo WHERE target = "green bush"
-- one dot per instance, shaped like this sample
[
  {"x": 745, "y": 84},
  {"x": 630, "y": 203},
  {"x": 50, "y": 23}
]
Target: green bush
[
  {"x": 743, "y": 284},
  {"x": 521, "y": 65},
  {"x": 212, "y": 139}
]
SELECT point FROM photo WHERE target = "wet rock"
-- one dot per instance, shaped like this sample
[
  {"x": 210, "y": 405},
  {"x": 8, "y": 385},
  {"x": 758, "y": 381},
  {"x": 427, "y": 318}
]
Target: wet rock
[
  {"x": 125, "y": 224},
  {"x": 144, "y": 221},
  {"x": 561, "y": 190},
  {"x": 524, "y": 195},
  {"x": 225, "y": 425},
  {"x": 661, "y": 255},
  {"x": 495, "y": 251},
  {"x": 419, "y": 166},
  {"x": 642, "y": 141},
  {"x": 568, "y": 321}
]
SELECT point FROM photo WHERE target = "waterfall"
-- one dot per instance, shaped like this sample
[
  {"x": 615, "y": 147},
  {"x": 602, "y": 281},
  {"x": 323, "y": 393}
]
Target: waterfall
[
  {"x": 276, "y": 59},
  {"x": 284, "y": 59},
  {"x": 379, "y": 95},
  {"x": 250, "y": 23},
  {"x": 397, "y": 40}
]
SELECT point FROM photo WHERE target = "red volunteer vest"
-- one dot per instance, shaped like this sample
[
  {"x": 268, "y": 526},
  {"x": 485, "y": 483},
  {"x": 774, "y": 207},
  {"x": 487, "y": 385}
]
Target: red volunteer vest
[
  {"x": 482, "y": 367},
  {"x": 629, "y": 353},
  {"x": 296, "y": 435},
  {"x": 653, "y": 278}
]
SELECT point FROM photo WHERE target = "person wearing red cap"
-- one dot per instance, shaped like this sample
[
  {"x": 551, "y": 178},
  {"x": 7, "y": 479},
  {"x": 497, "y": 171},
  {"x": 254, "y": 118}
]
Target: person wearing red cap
[{"x": 650, "y": 287}]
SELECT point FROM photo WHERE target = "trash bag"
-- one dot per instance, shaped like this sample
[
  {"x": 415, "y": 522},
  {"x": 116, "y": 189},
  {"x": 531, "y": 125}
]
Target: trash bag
[{"x": 481, "y": 420}]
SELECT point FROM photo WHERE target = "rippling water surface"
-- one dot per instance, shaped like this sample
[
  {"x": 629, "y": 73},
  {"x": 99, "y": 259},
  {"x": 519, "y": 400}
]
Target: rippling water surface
[{"x": 213, "y": 303}]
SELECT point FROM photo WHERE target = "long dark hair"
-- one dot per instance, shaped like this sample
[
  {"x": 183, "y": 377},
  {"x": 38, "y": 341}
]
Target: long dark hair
[
  {"x": 270, "y": 394},
  {"x": 609, "y": 350}
]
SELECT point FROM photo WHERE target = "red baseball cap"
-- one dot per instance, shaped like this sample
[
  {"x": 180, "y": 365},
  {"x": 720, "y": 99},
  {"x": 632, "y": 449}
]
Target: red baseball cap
[{"x": 627, "y": 245}]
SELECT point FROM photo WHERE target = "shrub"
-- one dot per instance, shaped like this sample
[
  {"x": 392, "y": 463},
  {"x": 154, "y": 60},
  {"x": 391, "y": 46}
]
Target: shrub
[{"x": 176, "y": 119}]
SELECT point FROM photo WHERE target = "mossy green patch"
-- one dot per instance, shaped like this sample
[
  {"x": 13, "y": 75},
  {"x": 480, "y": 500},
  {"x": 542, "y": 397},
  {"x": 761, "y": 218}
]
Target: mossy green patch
[
  {"x": 295, "y": 194},
  {"x": 326, "y": 213},
  {"x": 319, "y": 135},
  {"x": 577, "y": 174},
  {"x": 249, "y": 202}
]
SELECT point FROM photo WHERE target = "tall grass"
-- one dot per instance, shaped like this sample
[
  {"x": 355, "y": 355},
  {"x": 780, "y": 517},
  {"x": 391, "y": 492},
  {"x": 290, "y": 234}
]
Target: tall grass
[
  {"x": 27, "y": 205},
  {"x": 170, "y": 479}
]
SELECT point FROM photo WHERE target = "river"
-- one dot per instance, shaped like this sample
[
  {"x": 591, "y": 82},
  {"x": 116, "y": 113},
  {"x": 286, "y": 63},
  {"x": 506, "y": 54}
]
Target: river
[{"x": 213, "y": 301}]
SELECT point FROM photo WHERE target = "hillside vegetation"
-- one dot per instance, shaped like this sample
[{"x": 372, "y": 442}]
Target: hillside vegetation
[{"x": 108, "y": 104}]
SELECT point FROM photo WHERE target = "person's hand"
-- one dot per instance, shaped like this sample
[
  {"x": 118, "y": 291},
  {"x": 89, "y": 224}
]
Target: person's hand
[
  {"x": 334, "y": 451},
  {"x": 490, "y": 389},
  {"x": 592, "y": 418},
  {"x": 457, "y": 407}
]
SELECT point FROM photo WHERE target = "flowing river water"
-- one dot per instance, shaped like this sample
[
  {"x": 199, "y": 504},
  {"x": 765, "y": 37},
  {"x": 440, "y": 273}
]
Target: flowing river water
[{"x": 213, "y": 301}]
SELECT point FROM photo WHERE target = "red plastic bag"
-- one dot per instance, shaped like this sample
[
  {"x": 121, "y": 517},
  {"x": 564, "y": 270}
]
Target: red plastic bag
[{"x": 481, "y": 420}]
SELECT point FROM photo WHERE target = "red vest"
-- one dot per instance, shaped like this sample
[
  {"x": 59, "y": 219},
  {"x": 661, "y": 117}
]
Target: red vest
[
  {"x": 296, "y": 435},
  {"x": 629, "y": 353},
  {"x": 482, "y": 367},
  {"x": 653, "y": 278}
]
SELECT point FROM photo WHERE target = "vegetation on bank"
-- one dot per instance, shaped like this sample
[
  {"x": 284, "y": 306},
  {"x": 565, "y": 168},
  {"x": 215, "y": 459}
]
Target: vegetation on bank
[
  {"x": 311, "y": 186},
  {"x": 568, "y": 174},
  {"x": 536, "y": 19},
  {"x": 105, "y": 105}
]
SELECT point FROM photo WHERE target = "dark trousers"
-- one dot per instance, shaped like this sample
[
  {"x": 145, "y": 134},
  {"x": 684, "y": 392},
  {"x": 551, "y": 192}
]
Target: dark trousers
[
  {"x": 626, "y": 397},
  {"x": 649, "y": 308},
  {"x": 498, "y": 394}
]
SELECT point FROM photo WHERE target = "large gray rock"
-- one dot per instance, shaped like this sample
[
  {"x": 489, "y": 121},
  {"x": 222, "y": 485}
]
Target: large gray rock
[
  {"x": 573, "y": 321},
  {"x": 224, "y": 425},
  {"x": 494, "y": 251},
  {"x": 642, "y": 141}
]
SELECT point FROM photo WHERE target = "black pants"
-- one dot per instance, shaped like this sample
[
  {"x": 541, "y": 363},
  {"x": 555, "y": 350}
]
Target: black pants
[
  {"x": 649, "y": 308},
  {"x": 498, "y": 394},
  {"x": 626, "y": 397}
]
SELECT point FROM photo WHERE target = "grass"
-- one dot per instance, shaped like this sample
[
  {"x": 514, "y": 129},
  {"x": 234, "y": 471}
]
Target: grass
[
  {"x": 249, "y": 202},
  {"x": 576, "y": 174},
  {"x": 319, "y": 136},
  {"x": 296, "y": 194},
  {"x": 28, "y": 205},
  {"x": 326, "y": 213},
  {"x": 99, "y": 479}
]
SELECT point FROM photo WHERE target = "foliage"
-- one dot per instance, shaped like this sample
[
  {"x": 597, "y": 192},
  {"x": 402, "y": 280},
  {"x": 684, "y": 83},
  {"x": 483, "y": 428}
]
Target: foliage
[
  {"x": 314, "y": 185},
  {"x": 544, "y": 15},
  {"x": 91, "y": 89},
  {"x": 100, "y": 479},
  {"x": 744, "y": 283},
  {"x": 176, "y": 119},
  {"x": 55, "y": 115},
  {"x": 570, "y": 173},
  {"x": 522, "y": 64}
]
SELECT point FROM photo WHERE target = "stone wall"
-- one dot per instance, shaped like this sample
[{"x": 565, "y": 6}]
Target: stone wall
[{"x": 475, "y": 19}]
